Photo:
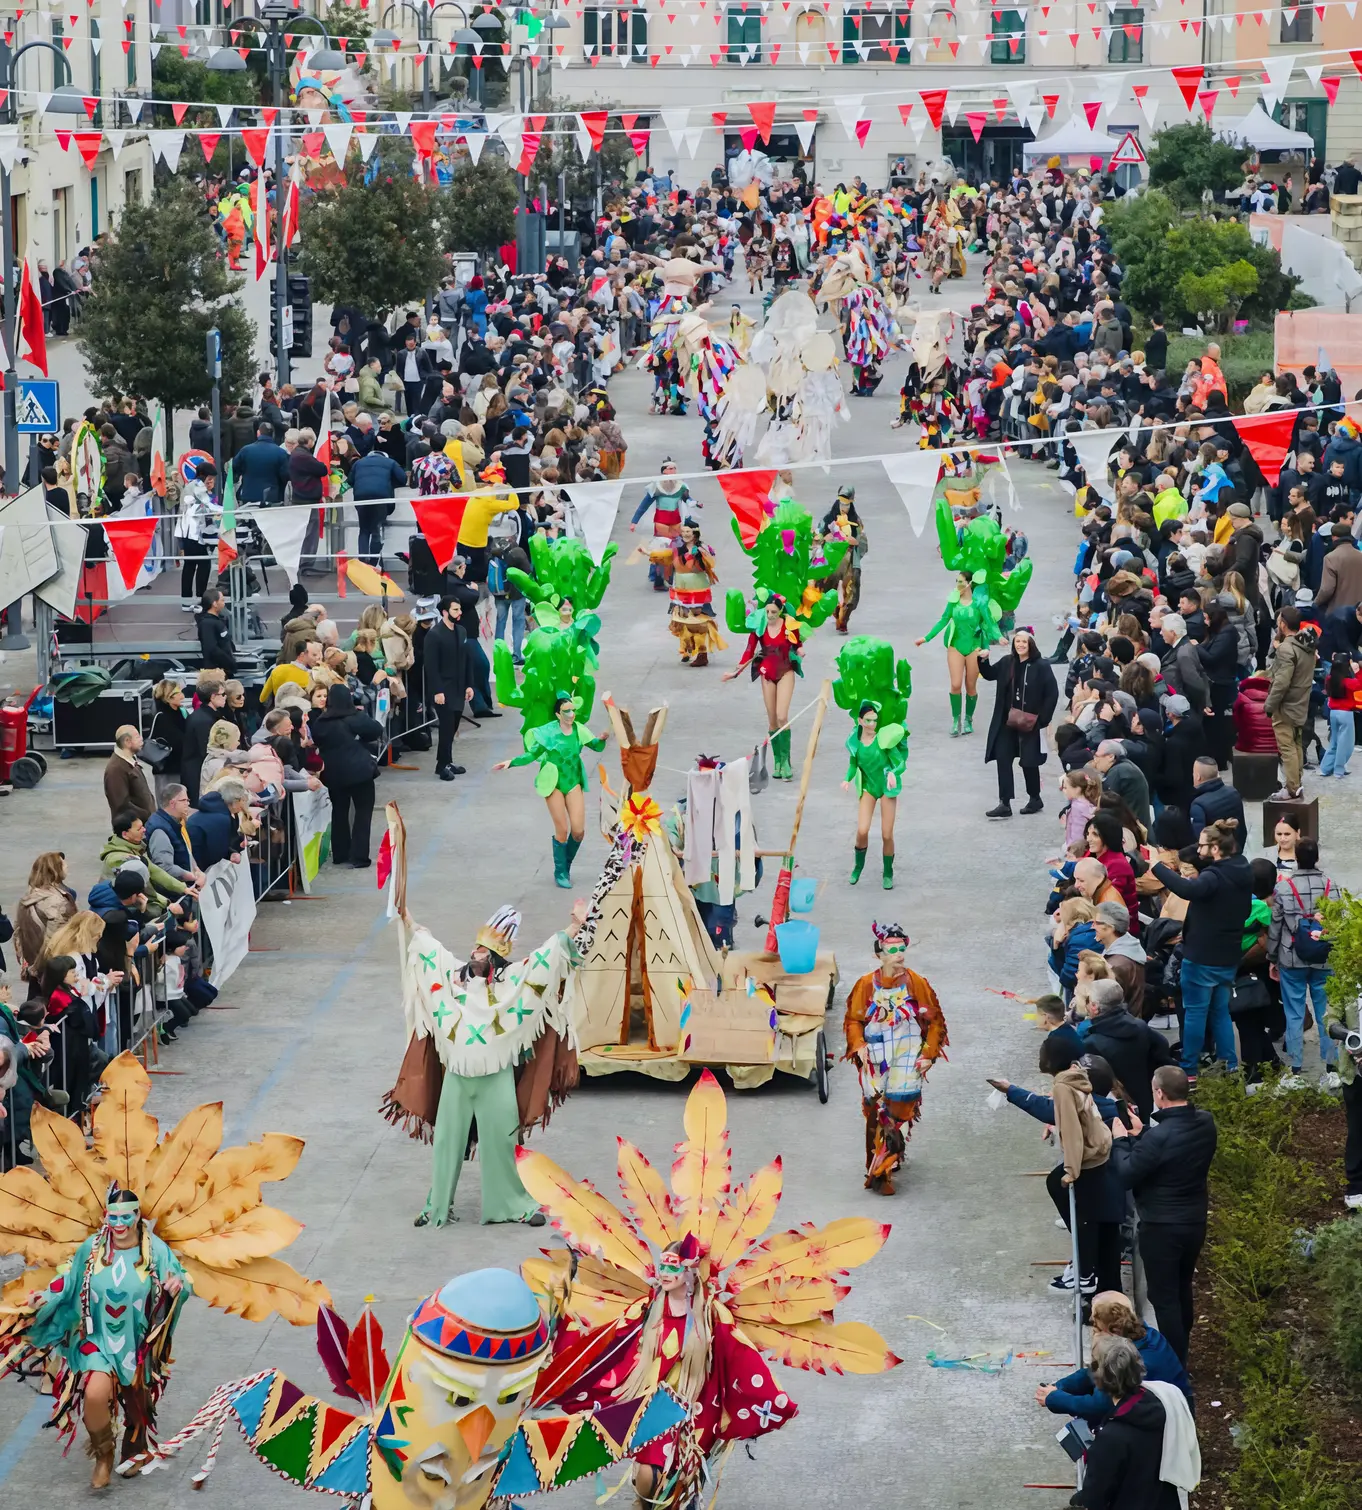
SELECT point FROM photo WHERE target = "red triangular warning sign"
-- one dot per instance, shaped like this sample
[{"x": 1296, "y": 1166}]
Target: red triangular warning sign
[{"x": 1128, "y": 150}]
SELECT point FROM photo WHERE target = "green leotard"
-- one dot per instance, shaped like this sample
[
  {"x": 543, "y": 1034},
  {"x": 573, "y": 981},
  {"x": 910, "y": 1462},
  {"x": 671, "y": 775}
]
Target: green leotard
[
  {"x": 561, "y": 768},
  {"x": 969, "y": 626},
  {"x": 871, "y": 766}
]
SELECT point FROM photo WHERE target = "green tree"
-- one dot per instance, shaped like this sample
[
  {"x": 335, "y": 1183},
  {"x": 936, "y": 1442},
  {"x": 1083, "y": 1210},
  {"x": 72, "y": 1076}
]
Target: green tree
[
  {"x": 478, "y": 206},
  {"x": 559, "y": 154},
  {"x": 161, "y": 287},
  {"x": 1217, "y": 296},
  {"x": 175, "y": 78},
  {"x": 373, "y": 244},
  {"x": 1187, "y": 160}
]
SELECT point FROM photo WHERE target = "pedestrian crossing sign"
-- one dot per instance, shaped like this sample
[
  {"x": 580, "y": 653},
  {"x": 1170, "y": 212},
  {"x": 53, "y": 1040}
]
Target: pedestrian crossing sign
[
  {"x": 37, "y": 409},
  {"x": 1128, "y": 150}
]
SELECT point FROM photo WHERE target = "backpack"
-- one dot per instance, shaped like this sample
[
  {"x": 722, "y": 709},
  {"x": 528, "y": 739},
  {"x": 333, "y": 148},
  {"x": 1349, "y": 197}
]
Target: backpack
[{"x": 1308, "y": 939}]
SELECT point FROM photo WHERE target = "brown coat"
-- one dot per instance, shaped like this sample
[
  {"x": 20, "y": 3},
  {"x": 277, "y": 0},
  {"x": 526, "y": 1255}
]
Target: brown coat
[
  {"x": 126, "y": 787},
  {"x": 931, "y": 1019},
  {"x": 41, "y": 911},
  {"x": 1084, "y": 1138}
]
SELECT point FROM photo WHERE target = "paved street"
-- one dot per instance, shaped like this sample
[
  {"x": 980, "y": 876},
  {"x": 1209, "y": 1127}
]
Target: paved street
[{"x": 310, "y": 1036}]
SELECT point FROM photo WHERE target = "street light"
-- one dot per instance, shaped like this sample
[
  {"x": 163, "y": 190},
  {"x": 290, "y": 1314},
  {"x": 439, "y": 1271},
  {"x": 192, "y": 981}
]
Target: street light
[
  {"x": 425, "y": 32},
  {"x": 467, "y": 37},
  {"x": 226, "y": 60}
]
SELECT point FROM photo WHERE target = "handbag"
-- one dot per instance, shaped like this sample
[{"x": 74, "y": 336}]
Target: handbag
[
  {"x": 1022, "y": 721},
  {"x": 156, "y": 754},
  {"x": 1249, "y": 993}
]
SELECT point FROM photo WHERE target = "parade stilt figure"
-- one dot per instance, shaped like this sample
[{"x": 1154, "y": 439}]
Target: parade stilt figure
[
  {"x": 895, "y": 1031},
  {"x": 561, "y": 780}
]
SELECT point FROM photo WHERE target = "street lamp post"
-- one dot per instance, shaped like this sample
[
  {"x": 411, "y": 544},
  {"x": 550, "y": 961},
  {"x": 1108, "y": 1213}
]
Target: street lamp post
[{"x": 425, "y": 32}]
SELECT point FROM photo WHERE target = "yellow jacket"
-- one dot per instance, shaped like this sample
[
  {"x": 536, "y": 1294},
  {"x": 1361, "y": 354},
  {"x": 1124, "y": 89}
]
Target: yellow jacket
[{"x": 478, "y": 515}]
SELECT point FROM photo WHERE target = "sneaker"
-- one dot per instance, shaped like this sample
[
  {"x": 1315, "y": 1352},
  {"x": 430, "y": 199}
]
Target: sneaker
[
  {"x": 1164, "y": 1021},
  {"x": 1061, "y": 1224},
  {"x": 1003, "y": 810},
  {"x": 1295, "y": 1081},
  {"x": 1063, "y": 1281},
  {"x": 1282, "y": 794},
  {"x": 1034, "y": 806},
  {"x": 1329, "y": 1082},
  {"x": 187, "y": 605},
  {"x": 1063, "y": 1284},
  {"x": 1353, "y": 1201}
]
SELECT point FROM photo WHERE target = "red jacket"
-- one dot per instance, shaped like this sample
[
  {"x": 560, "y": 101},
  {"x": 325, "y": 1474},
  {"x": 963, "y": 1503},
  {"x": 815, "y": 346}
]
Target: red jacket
[
  {"x": 1252, "y": 727},
  {"x": 1121, "y": 874}
]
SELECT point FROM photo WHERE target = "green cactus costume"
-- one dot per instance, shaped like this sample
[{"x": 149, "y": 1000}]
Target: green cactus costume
[
  {"x": 785, "y": 564},
  {"x": 976, "y": 551},
  {"x": 558, "y": 658},
  {"x": 563, "y": 573},
  {"x": 559, "y": 753},
  {"x": 868, "y": 674}
]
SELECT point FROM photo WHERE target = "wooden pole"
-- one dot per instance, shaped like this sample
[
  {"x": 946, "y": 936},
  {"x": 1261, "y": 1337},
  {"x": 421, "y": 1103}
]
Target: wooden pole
[{"x": 809, "y": 753}]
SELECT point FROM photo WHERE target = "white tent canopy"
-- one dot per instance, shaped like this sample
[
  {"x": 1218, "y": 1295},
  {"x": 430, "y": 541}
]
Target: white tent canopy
[
  {"x": 1074, "y": 139},
  {"x": 1258, "y": 130}
]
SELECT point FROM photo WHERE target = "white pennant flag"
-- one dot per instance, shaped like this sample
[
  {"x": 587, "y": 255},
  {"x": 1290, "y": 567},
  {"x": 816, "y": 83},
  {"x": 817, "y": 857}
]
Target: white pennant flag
[
  {"x": 675, "y": 122},
  {"x": 285, "y": 529},
  {"x": 1109, "y": 88},
  {"x": 367, "y": 142},
  {"x": 225, "y": 115},
  {"x": 848, "y": 107},
  {"x": 403, "y": 119},
  {"x": 512, "y": 139},
  {"x": 9, "y": 147},
  {"x": 1277, "y": 73},
  {"x": 804, "y": 56},
  {"x": 917, "y": 126},
  {"x": 133, "y": 105},
  {"x": 694, "y": 134},
  {"x": 338, "y": 139},
  {"x": 44, "y": 100},
  {"x": 804, "y": 130},
  {"x": 167, "y": 145},
  {"x": 116, "y": 139},
  {"x": 496, "y": 122},
  {"x": 1314, "y": 74},
  {"x": 95, "y": 45},
  {"x": 475, "y": 141},
  {"x": 595, "y": 505},
  {"x": 1021, "y": 96},
  {"x": 1093, "y": 448},
  {"x": 952, "y": 110},
  {"x": 315, "y": 117},
  {"x": 914, "y": 475},
  {"x": 1150, "y": 108}
]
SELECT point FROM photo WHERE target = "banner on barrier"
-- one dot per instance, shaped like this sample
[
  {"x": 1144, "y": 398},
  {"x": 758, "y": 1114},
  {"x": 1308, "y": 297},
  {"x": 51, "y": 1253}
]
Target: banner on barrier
[
  {"x": 312, "y": 830},
  {"x": 227, "y": 905}
]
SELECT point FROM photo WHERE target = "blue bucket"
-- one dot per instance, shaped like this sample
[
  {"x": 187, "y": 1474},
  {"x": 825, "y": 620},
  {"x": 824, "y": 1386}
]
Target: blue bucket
[
  {"x": 798, "y": 945},
  {"x": 802, "y": 892}
]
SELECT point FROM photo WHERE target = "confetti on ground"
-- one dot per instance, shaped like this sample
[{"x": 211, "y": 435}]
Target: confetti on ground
[
  {"x": 924, "y": 1321},
  {"x": 976, "y": 1363}
]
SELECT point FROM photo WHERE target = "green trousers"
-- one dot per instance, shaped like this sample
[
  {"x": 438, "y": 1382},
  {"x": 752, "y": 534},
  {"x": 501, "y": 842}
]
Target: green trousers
[{"x": 490, "y": 1099}]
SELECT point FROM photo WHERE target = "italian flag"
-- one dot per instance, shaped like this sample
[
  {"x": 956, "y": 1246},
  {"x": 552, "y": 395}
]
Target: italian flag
[{"x": 227, "y": 551}]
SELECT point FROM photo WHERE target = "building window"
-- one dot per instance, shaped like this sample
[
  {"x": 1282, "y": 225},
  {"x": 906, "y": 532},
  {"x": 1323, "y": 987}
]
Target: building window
[
  {"x": 616, "y": 32},
  {"x": 132, "y": 187},
  {"x": 944, "y": 27},
  {"x": 744, "y": 35},
  {"x": 210, "y": 13},
  {"x": 1306, "y": 115},
  {"x": 810, "y": 31},
  {"x": 131, "y": 60},
  {"x": 1298, "y": 25},
  {"x": 1009, "y": 34},
  {"x": 1127, "y": 37},
  {"x": 875, "y": 31}
]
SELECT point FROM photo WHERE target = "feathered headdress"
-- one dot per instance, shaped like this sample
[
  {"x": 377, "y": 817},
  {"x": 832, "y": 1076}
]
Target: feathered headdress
[{"x": 498, "y": 933}]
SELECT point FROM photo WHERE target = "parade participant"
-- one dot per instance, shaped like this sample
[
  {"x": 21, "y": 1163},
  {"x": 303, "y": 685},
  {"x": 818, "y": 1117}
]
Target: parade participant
[
  {"x": 740, "y": 329},
  {"x": 98, "y": 1324},
  {"x": 895, "y": 1031},
  {"x": 689, "y": 563},
  {"x": 561, "y": 781},
  {"x": 843, "y": 524},
  {"x": 785, "y": 607},
  {"x": 667, "y": 498},
  {"x": 484, "y": 1019},
  {"x": 875, "y": 690},
  {"x": 683, "y": 1291}
]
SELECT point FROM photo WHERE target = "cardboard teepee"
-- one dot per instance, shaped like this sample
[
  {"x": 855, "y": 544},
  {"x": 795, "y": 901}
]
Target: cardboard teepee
[{"x": 651, "y": 946}]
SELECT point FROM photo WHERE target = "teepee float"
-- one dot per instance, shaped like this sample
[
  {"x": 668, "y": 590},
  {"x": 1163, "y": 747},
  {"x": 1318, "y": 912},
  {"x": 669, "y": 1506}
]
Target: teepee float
[{"x": 656, "y": 996}]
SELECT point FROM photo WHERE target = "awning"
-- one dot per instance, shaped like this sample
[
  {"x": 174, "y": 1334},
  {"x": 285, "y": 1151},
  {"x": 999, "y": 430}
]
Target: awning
[
  {"x": 1258, "y": 130},
  {"x": 1074, "y": 139}
]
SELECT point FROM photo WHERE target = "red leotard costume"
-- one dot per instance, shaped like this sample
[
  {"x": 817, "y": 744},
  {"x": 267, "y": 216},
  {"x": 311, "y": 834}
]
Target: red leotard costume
[{"x": 779, "y": 653}]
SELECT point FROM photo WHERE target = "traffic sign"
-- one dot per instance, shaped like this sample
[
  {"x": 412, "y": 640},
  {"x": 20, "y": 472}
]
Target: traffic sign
[
  {"x": 38, "y": 407},
  {"x": 1128, "y": 150}
]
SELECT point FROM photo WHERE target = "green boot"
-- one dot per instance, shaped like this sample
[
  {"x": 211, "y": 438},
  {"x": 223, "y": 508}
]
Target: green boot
[
  {"x": 859, "y": 866},
  {"x": 955, "y": 715},
  {"x": 780, "y": 753},
  {"x": 573, "y": 845},
  {"x": 560, "y": 864},
  {"x": 971, "y": 703},
  {"x": 888, "y": 882}
]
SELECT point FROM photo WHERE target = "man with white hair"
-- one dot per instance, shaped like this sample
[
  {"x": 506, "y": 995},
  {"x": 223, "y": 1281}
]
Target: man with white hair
[
  {"x": 1122, "y": 776},
  {"x": 1123, "y": 953},
  {"x": 1181, "y": 664}
]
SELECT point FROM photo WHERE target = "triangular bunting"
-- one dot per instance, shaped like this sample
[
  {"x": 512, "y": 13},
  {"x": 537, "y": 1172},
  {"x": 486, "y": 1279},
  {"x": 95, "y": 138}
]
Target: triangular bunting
[
  {"x": 130, "y": 541},
  {"x": 440, "y": 516}
]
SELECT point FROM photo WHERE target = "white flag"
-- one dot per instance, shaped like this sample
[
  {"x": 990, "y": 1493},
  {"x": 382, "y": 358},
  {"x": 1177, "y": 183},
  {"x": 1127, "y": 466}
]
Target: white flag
[
  {"x": 1093, "y": 449},
  {"x": 675, "y": 122},
  {"x": 167, "y": 145},
  {"x": 595, "y": 505},
  {"x": 804, "y": 130},
  {"x": 338, "y": 139},
  {"x": 367, "y": 142},
  {"x": 914, "y": 475},
  {"x": 1276, "y": 76},
  {"x": 475, "y": 141},
  {"x": 285, "y": 529},
  {"x": 848, "y": 108}
]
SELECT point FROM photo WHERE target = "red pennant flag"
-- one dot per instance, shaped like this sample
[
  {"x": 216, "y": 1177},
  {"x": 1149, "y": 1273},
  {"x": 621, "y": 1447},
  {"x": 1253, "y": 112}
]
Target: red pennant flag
[
  {"x": 719, "y": 117},
  {"x": 1188, "y": 81},
  {"x": 1208, "y": 97},
  {"x": 1233, "y": 86},
  {"x": 748, "y": 495},
  {"x": 91, "y": 103},
  {"x": 748, "y": 136},
  {"x": 529, "y": 150},
  {"x": 63, "y": 139},
  {"x": 629, "y": 121},
  {"x": 1050, "y": 101},
  {"x": 1355, "y": 54},
  {"x": 440, "y": 516},
  {"x": 763, "y": 115},
  {"x": 208, "y": 141},
  {"x": 638, "y": 140},
  {"x": 594, "y": 121},
  {"x": 178, "y": 109},
  {"x": 254, "y": 139},
  {"x": 1330, "y": 87},
  {"x": 976, "y": 120},
  {"x": 1268, "y": 438},
  {"x": 810, "y": 115},
  {"x": 1090, "y": 109},
  {"x": 862, "y": 131},
  {"x": 88, "y": 144},
  {"x": 934, "y": 103},
  {"x": 999, "y": 109},
  {"x": 904, "y": 112},
  {"x": 32, "y": 337},
  {"x": 313, "y": 141},
  {"x": 270, "y": 113},
  {"x": 130, "y": 540},
  {"x": 423, "y": 138},
  {"x": 383, "y": 866}
]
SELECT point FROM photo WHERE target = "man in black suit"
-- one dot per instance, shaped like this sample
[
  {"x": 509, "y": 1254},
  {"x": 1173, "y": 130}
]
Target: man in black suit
[{"x": 447, "y": 683}]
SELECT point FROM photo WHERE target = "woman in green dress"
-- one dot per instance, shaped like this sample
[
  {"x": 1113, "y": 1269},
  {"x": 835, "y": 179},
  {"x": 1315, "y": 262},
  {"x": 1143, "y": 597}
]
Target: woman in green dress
[
  {"x": 970, "y": 626},
  {"x": 875, "y": 773},
  {"x": 561, "y": 781},
  {"x": 103, "y": 1330}
]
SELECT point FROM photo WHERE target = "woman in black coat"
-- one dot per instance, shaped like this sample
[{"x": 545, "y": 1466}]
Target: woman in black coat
[
  {"x": 1027, "y": 695},
  {"x": 348, "y": 742},
  {"x": 1219, "y": 657},
  {"x": 1124, "y": 1462},
  {"x": 167, "y": 726}
]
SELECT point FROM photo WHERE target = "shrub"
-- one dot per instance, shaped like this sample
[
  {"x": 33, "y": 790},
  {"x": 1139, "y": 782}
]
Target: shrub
[{"x": 1338, "y": 1254}]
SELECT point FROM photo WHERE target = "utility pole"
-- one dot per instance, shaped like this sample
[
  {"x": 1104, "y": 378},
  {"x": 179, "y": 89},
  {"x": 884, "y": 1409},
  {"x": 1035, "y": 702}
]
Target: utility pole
[{"x": 276, "y": 14}]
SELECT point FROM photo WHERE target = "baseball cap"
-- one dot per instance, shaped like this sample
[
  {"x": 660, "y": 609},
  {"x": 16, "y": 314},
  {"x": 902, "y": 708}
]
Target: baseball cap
[
  {"x": 1304, "y": 597},
  {"x": 1175, "y": 703}
]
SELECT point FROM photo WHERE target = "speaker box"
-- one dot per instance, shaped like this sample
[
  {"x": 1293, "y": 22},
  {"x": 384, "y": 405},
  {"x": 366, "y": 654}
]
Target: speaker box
[
  {"x": 423, "y": 577},
  {"x": 1305, "y": 813}
]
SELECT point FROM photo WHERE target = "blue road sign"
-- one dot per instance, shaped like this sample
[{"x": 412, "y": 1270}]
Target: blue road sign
[{"x": 38, "y": 407}]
